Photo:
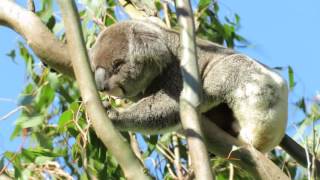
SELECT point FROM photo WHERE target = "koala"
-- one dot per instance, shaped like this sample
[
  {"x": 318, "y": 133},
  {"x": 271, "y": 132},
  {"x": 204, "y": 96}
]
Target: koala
[{"x": 139, "y": 60}]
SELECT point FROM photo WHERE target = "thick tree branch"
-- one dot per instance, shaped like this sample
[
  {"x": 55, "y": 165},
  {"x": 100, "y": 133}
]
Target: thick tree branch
[
  {"x": 44, "y": 44},
  {"x": 104, "y": 129},
  {"x": 190, "y": 97},
  {"x": 224, "y": 145}
]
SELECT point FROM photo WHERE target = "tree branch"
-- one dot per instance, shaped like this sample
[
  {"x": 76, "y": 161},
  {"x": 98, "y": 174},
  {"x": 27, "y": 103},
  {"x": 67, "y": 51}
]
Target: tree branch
[
  {"x": 104, "y": 129},
  {"x": 139, "y": 8},
  {"x": 190, "y": 97},
  {"x": 247, "y": 157},
  {"x": 298, "y": 152},
  {"x": 44, "y": 44}
]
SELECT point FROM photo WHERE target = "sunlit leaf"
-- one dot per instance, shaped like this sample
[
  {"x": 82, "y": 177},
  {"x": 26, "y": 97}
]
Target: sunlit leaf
[
  {"x": 45, "y": 96},
  {"x": 17, "y": 171},
  {"x": 302, "y": 105},
  {"x": 291, "y": 78},
  {"x": 26, "y": 173},
  {"x": 16, "y": 132},
  {"x": 315, "y": 112},
  {"x": 64, "y": 119},
  {"x": 53, "y": 79},
  {"x": 237, "y": 17},
  {"x": 33, "y": 153},
  {"x": 28, "y": 58},
  {"x": 216, "y": 7},
  {"x": 204, "y": 4},
  {"x": 29, "y": 121}
]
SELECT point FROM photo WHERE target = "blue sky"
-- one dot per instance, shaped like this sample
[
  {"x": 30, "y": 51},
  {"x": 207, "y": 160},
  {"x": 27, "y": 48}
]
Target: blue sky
[{"x": 281, "y": 33}]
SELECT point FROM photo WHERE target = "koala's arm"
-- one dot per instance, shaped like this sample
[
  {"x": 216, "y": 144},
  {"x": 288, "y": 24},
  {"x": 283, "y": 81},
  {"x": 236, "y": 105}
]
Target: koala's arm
[{"x": 153, "y": 114}]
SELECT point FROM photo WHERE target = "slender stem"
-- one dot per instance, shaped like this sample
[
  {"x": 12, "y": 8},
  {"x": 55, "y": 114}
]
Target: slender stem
[
  {"x": 177, "y": 163},
  {"x": 231, "y": 171},
  {"x": 166, "y": 14},
  {"x": 31, "y": 6}
]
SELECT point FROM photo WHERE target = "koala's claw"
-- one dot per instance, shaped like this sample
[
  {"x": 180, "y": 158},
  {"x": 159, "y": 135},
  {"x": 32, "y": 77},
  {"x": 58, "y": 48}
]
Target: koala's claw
[{"x": 112, "y": 114}]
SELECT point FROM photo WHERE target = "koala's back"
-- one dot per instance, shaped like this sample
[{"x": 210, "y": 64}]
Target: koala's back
[{"x": 242, "y": 96}]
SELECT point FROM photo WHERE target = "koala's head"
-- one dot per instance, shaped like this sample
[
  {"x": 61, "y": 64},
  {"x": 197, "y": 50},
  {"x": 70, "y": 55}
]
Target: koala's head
[{"x": 127, "y": 56}]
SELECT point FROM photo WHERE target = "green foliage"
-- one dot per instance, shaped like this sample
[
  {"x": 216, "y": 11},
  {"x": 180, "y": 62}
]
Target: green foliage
[
  {"x": 52, "y": 118},
  {"x": 306, "y": 133},
  {"x": 211, "y": 27},
  {"x": 60, "y": 137}
]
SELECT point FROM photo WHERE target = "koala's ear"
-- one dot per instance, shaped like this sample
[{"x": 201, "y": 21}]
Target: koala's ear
[{"x": 147, "y": 42}]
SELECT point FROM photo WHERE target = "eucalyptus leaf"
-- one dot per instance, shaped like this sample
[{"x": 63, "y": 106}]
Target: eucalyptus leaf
[
  {"x": 203, "y": 4},
  {"x": 53, "y": 79},
  {"x": 291, "y": 78},
  {"x": 29, "y": 121},
  {"x": 12, "y": 55},
  {"x": 302, "y": 105},
  {"x": 65, "y": 118},
  {"x": 16, "y": 132},
  {"x": 44, "y": 97}
]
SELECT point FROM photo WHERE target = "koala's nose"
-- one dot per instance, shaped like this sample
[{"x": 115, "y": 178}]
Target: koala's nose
[{"x": 100, "y": 76}]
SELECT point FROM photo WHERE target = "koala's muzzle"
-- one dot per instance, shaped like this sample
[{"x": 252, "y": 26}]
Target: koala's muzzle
[{"x": 100, "y": 76}]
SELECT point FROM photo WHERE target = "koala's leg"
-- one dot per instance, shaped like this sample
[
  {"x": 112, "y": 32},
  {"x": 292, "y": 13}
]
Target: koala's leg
[
  {"x": 153, "y": 114},
  {"x": 260, "y": 106},
  {"x": 256, "y": 95}
]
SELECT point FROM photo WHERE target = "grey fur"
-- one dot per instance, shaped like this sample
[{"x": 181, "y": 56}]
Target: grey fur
[{"x": 149, "y": 72}]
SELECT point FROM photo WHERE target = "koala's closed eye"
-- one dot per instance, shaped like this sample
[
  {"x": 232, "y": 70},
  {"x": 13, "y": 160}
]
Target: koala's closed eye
[{"x": 116, "y": 65}]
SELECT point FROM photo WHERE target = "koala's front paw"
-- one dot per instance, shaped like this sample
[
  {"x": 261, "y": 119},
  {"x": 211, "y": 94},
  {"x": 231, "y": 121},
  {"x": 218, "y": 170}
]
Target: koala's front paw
[
  {"x": 112, "y": 114},
  {"x": 106, "y": 104}
]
